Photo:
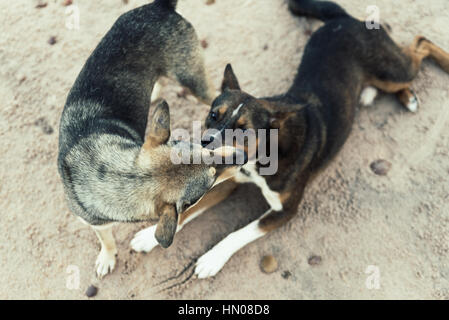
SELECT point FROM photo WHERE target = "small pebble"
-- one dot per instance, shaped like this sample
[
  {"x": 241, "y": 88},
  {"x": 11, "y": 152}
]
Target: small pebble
[
  {"x": 41, "y": 5},
  {"x": 380, "y": 167},
  {"x": 125, "y": 1},
  {"x": 204, "y": 44},
  {"x": 286, "y": 274},
  {"x": 47, "y": 129},
  {"x": 43, "y": 123},
  {"x": 52, "y": 40},
  {"x": 265, "y": 47},
  {"x": 387, "y": 26},
  {"x": 268, "y": 264},
  {"x": 315, "y": 260},
  {"x": 209, "y": 2},
  {"x": 308, "y": 32},
  {"x": 183, "y": 93},
  {"x": 67, "y": 3},
  {"x": 91, "y": 291}
]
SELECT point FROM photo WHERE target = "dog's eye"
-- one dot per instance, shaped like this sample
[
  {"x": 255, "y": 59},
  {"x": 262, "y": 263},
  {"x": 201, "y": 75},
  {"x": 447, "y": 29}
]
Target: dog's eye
[{"x": 214, "y": 116}]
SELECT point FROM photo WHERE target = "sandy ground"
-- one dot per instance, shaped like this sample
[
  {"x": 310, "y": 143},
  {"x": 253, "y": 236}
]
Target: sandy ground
[{"x": 350, "y": 217}]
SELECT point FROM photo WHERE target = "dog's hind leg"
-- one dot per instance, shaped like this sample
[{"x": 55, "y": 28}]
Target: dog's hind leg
[
  {"x": 145, "y": 240},
  {"x": 107, "y": 258},
  {"x": 185, "y": 63},
  {"x": 196, "y": 79},
  {"x": 422, "y": 48},
  {"x": 188, "y": 68},
  {"x": 397, "y": 70}
]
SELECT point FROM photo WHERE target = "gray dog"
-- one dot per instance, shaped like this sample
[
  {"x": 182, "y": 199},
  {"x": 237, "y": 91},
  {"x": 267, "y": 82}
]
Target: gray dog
[{"x": 111, "y": 172}]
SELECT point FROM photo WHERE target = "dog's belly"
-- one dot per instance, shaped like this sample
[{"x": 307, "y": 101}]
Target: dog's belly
[{"x": 249, "y": 174}]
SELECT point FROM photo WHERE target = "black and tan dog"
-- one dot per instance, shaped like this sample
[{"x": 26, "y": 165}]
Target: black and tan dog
[
  {"x": 111, "y": 173},
  {"x": 314, "y": 117}
]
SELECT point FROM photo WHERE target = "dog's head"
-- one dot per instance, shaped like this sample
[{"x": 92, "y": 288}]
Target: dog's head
[
  {"x": 235, "y": 109},
  {"x": 180, "y": 172}
]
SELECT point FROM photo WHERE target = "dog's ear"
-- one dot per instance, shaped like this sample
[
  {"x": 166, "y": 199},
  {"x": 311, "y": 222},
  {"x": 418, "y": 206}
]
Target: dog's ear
[
  {"x": 166, "y": 227},
  {"x": 159, "y": 131},
  {"x": 230, "y": 80}
]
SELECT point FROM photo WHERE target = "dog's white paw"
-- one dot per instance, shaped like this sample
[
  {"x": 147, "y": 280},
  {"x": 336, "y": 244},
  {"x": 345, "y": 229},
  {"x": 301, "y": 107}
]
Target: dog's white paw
[
  {"x": 413, "y": 103},
  {"x": 368, "y": 96},
  {"x": 211, "y": 262},
  {"x": 105, "y": 263},
  {"x": 144, "y": 240}
]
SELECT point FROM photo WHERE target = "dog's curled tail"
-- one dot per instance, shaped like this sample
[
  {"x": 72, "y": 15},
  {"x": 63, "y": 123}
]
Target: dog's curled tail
[
  {"x": 322, "y": 10},
  {"x": 168, "y": 3}
]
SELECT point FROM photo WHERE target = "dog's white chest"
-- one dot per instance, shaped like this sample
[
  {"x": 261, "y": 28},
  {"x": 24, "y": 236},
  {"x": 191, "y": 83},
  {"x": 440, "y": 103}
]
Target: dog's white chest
[{"x": 249, "y": 174}]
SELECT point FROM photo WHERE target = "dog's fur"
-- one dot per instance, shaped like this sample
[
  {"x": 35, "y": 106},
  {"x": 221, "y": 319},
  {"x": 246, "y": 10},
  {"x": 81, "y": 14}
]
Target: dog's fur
[
  {"x": 110, "y": 172},
  {"x": 315, "y": 116}
]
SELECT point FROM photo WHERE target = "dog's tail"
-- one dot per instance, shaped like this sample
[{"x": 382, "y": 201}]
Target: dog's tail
[
  {"x": 322, "y": 10},
  {"x": 168, "y": 3}
]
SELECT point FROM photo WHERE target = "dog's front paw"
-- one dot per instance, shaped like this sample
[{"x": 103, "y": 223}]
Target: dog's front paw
[
  {"x": 211, "y": 262},
  {"x": 105, "y": 263},
  {"x": 144, "y": 240}
]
